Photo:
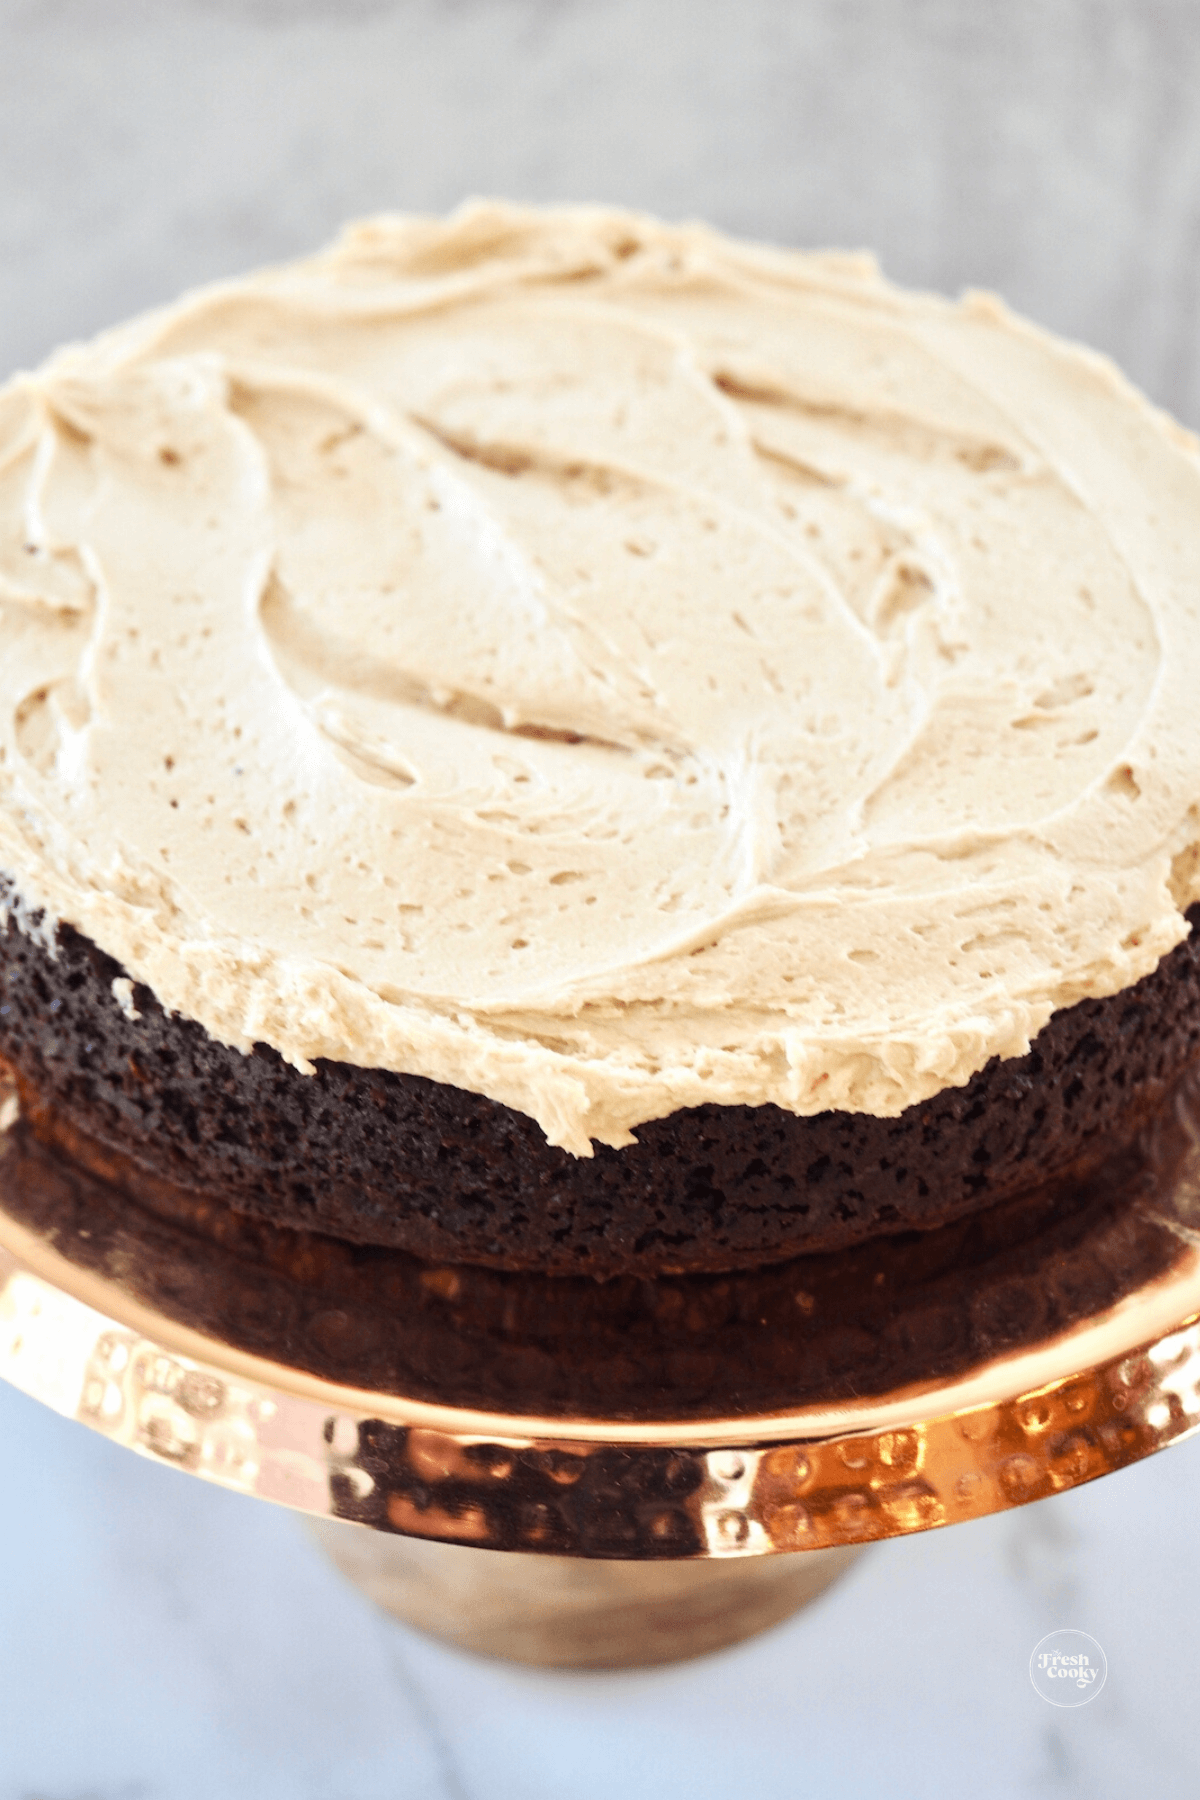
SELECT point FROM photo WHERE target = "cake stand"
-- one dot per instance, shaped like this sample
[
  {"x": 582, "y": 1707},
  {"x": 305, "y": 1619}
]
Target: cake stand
[{"x": 603, "y": 1475}]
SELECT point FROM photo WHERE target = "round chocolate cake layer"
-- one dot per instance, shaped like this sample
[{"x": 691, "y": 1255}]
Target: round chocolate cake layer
[
  {"x": 387, "y": 1159},
  {"x": 896, "y": 1311}
]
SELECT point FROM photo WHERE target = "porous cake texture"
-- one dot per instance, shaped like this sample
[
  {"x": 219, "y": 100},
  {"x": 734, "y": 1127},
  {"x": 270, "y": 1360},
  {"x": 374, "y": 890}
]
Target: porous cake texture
[{"x": 576, "y": 743}]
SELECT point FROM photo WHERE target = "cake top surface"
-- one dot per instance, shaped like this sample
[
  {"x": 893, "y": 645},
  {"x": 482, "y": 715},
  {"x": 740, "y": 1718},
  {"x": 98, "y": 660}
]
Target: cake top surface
[{"x": 601, "y": 665}]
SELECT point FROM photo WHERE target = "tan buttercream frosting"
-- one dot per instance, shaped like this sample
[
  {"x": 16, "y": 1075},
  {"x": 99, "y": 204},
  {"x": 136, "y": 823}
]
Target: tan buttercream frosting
[{"x": 602, "y": 666}]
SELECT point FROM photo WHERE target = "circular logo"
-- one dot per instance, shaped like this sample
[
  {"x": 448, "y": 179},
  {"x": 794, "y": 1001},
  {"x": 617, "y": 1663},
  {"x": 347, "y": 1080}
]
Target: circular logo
[{"x": 1068, "y": 1668}]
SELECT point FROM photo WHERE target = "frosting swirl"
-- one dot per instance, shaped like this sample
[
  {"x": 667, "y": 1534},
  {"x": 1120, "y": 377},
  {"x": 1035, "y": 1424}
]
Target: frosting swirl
[{"x": 602, "y": 666}]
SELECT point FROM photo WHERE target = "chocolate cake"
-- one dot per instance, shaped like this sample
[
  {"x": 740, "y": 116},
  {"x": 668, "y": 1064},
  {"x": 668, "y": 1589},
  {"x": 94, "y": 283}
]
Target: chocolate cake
[
  {"x": 552, "y": 741},
  {"x": 380, "y": 1158},
  {"x": 885, "y": 1314}
]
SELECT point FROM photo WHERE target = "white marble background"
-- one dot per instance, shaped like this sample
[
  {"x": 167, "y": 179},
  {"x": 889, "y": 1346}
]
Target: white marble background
[{"x": 163, "y": 1641}]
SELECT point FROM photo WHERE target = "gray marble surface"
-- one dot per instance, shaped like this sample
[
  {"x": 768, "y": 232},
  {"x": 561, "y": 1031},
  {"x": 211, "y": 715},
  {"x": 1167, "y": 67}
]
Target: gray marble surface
[
  {"x": 163, "y": 1641},
  {"x": 1047, "y": 148}
]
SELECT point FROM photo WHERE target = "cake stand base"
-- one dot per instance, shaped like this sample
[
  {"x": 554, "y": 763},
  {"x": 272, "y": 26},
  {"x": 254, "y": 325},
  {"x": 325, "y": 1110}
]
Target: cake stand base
[
  {"x": 562, "y": 1612},
  {"x": 478, "y": 1445}
]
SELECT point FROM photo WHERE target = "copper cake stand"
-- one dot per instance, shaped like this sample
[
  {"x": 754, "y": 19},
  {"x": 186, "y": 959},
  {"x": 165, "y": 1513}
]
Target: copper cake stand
[{"x": 640, "y": 1461}]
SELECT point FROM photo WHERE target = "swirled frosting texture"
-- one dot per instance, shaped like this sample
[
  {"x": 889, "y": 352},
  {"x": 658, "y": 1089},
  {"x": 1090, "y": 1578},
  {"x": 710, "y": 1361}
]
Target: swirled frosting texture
[{"x": 601, "y": 666}]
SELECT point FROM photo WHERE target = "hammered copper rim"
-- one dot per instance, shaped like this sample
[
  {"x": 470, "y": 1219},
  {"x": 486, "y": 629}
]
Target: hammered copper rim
[
  {"x": 1046, "y": 1415},
  {"x": 1103, "y": 1396}
]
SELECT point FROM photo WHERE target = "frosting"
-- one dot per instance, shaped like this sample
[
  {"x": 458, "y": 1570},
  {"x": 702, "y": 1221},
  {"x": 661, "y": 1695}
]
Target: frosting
[{"x": 602, "y": 666}]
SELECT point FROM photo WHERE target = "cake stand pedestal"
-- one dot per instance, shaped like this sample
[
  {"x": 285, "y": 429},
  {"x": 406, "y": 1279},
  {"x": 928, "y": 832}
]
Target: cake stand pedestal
[
  {"x": 562, "y": 1612},
  {"x": 588, "y": 1533}
]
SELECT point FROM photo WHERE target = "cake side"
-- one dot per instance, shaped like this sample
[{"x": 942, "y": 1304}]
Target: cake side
[
  {"x": 889, "y": 1312},
  {"x": 381, "y": 1158}
]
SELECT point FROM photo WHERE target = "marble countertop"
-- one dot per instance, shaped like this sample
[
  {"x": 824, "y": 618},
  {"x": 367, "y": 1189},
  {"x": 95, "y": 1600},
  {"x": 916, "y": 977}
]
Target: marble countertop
[
  {"x": 164, "y": 1640},
  {"x": 1049, "y": 151},
  {"x": 161, "y": 1640}
]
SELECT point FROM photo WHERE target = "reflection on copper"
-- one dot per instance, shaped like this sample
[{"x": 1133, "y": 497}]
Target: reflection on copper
[
  {"x": 244, "y": 1355},
  {"x": 917, "y": 1308}
]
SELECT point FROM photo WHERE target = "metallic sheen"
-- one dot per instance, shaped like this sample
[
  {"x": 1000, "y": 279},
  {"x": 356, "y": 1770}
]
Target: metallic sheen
[{"x": 1096, "y": 1398}]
